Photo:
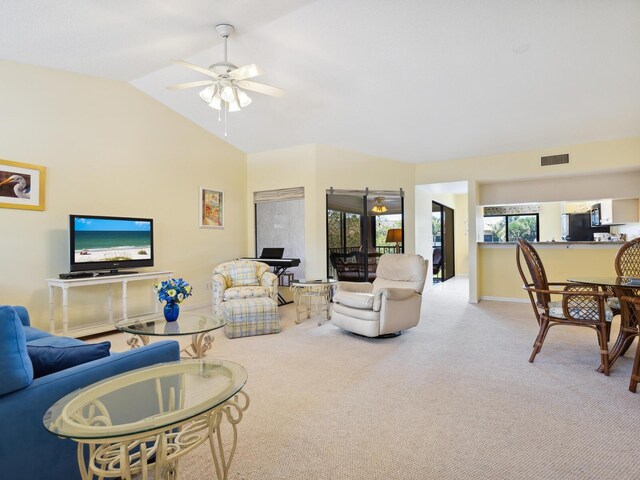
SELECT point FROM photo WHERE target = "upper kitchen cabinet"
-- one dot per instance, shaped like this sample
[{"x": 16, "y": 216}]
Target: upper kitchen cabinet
[{"x": 616, "y": 212}]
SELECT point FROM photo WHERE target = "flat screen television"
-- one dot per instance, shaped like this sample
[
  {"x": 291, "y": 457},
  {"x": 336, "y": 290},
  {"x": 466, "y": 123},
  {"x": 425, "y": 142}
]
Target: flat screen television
[{"x": 109, "y": 243}]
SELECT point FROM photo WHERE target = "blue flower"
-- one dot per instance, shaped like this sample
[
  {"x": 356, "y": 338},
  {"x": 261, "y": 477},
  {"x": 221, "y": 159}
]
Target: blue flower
[{"x": 173, "y": 290}]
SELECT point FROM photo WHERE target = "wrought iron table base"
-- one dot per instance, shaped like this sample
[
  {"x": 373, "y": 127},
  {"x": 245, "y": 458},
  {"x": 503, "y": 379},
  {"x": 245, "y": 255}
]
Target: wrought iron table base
[
  {"x": 159, "y": 451},
  {"x": 200, "y": 343}
]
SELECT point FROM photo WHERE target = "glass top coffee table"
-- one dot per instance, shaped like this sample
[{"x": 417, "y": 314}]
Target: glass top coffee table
[
  {"x": 198, "y": 325},
  {"x": 144, "y": 420},
  {"x": 312, "y": 294}
]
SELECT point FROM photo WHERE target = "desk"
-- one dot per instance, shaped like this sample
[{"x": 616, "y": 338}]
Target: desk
[
  {"x": 621, "y": 287},
  {"x": 312, "y": 293},
  {"x": 198, "y": 325},
  {"x": 143, "y": 421},
  {"x": 66, "y": 284}
]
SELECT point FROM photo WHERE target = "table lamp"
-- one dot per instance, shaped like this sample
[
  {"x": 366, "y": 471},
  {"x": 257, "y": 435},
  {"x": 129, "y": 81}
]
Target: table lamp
[{"x": 394, "y": 235}]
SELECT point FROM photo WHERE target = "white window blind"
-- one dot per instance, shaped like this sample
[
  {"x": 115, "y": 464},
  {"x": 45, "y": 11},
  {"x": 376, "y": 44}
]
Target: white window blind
[{"x": 295, "y": 193}]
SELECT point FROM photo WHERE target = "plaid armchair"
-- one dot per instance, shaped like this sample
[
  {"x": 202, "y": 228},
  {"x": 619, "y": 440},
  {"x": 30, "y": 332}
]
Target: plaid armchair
[{"x": 242, "y": 279}]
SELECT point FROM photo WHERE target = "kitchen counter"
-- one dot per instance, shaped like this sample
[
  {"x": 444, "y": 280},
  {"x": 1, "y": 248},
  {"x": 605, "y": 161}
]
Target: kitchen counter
[
  {"x": 561, "y": 244},
  {"x": 499, "y": 278}
]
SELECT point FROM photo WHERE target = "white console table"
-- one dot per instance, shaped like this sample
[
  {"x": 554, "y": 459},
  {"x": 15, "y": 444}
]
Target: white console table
[{"x": 66, "y": 284}]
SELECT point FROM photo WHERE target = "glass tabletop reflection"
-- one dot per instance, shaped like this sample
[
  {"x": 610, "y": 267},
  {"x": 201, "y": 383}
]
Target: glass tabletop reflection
[
  {"x": 306, "y": 283},
  {"x": 188, "y": 323},
  {"x": 146, "y": 399},
  {"x": 607, "y": 281}
]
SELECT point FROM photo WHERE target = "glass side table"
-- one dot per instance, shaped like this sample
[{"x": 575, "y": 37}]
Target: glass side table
[
  {"x": 198, "y": 325},
  {"x": 311, "y": 295},
  {"x": 143, "y": 421}
]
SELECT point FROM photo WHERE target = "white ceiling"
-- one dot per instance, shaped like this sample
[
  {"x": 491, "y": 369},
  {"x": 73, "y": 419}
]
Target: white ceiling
[{"x": 409, "y": 80}]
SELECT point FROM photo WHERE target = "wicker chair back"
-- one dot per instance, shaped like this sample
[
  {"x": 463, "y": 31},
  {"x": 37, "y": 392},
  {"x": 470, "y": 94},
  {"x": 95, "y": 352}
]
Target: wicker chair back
[
  {"x": 536, "y": 270},
  {"x": 627, "y": 261}
]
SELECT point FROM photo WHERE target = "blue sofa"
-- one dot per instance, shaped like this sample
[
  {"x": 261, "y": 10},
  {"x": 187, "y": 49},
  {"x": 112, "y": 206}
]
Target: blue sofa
[{"x": 27, "y": 450}]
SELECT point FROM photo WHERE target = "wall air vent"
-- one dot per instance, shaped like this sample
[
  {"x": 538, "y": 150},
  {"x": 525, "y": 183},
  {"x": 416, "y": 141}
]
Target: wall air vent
[{"x": 554, "y": 160}]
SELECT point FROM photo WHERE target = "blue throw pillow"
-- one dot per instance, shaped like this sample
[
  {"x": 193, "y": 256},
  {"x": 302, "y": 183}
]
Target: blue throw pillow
[
  {"x": 16, "y": 370},
  {"x": 34, "y": 333},
  {"x": 52, "y": 354}
]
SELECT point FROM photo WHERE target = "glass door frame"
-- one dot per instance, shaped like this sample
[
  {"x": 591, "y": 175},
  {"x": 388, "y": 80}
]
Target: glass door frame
[
  {"x": 448, "y": 268},
  {"x": 367, "y": 226}
]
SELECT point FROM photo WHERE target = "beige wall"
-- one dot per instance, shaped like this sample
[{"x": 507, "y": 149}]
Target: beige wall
[
  {"x": 461, "y": 225},
  {"x": 318, "y": 168},
  {"x": 583, "y": 187},
  {"x": 110, "y": 150},
  {"x": 550, "y": 222},
  {"x": 499, "y": 277},
  {"x": 285, "y": 168},
  {"x": 596, "y": 159},
  {"x": 587, "y": 158}
]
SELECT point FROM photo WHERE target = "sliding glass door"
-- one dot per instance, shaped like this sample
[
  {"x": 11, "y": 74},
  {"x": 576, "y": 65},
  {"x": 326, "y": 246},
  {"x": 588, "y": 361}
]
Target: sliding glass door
[
  {"x": 362, "y": 225},
  {"x": 443, "y": 260}
]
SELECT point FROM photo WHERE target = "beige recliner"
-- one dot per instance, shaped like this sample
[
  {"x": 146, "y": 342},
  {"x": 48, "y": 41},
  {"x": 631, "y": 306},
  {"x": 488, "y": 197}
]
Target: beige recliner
[{"x": 388, "y": 306}]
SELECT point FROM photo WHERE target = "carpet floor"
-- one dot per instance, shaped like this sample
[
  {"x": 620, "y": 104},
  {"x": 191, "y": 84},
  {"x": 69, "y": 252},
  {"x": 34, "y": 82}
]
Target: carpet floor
[{"x": 454, "y": 398}]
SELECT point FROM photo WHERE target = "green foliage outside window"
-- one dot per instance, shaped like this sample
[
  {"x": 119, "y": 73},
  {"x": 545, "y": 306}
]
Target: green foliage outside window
[
  {"x": 496, "y": 228},
  {"x": 523, "y": 226},
  {"x": 384, "y": 223},
  {"x": 352, "y": 228},
  {"x": 333, "y": 225},
  {"x": 351, "y": 225}
]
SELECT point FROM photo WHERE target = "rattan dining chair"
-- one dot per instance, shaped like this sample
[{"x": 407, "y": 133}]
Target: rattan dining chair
[
  {"x": 627, "y": 264},
  {"x": 627, "y": 260},
  {"x": 634, "y": 304},
  {"x": 580, "y": 305}
]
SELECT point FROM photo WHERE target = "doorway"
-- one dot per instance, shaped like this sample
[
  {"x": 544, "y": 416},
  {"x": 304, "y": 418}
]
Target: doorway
[
  {"x": 362, "y": 225},
  {"x": 443, "y": 259}
]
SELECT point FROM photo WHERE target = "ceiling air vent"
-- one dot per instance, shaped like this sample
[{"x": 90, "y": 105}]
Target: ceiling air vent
[{"x": 554, "y": 160}]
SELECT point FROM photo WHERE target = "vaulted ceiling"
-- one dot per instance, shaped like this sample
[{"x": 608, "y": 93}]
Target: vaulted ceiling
[{"x": 416, "y": 81}]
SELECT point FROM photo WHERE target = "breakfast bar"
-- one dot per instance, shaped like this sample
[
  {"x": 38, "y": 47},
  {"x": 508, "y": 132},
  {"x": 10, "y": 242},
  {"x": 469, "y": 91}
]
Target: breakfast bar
[{"x": 498, "y": 275}]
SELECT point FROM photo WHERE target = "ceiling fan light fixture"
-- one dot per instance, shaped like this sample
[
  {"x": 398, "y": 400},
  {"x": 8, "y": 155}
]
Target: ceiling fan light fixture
[
  {"x": 208, "y": 93},
  {"x": 216, "y": 102},
  {"x": 227, "y": 94},
  {"x": 379, "y": 206},
  {"x": 243, "y": 98},
  {"x": 225, "y": 82}
]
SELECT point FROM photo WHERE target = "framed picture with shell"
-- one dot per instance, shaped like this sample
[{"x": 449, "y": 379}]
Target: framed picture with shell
[{"x": 21, "y": 185}]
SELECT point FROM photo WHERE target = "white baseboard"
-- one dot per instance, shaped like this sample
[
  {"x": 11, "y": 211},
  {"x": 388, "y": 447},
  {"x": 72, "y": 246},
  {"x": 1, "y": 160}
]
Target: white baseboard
[
  {"x": 196, "y": 306},
  {"x": 505, "y": 299}
]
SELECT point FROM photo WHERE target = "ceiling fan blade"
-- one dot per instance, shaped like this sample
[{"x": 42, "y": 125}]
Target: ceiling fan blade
[
  {"x": 197, "y": 68},
  {"x": 248, "y": 71},
  {"x": 261, "y": 88},
  {"x": 181, "y": 86}
]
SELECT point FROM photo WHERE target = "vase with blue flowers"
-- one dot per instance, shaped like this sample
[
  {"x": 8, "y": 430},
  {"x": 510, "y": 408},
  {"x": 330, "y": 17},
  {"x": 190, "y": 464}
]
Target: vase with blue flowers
[{"x": 173, "y": 291}]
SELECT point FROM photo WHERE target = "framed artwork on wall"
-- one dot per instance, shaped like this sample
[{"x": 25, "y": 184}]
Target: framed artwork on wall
[
  {"x": 211, "y": 208},
  {"x": 21, "y": 185}
]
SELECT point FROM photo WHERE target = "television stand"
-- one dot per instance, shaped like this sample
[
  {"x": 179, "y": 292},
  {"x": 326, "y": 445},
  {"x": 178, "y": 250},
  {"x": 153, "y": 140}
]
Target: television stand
[
  {"x": 111, "y": 273},
  {"x": 109, "y": 279}
]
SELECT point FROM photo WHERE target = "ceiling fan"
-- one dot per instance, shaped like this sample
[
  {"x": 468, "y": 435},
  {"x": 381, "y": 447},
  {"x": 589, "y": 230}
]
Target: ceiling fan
[{"x": 225, "y": 91}]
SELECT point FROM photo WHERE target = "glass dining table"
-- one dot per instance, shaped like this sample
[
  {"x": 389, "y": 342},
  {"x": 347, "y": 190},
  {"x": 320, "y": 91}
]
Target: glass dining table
[{"x": 629, "y": 323}]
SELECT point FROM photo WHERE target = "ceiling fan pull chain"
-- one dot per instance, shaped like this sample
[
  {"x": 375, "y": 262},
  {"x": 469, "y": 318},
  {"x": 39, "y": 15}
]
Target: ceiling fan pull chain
[{"x": 226, "y": 107}]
